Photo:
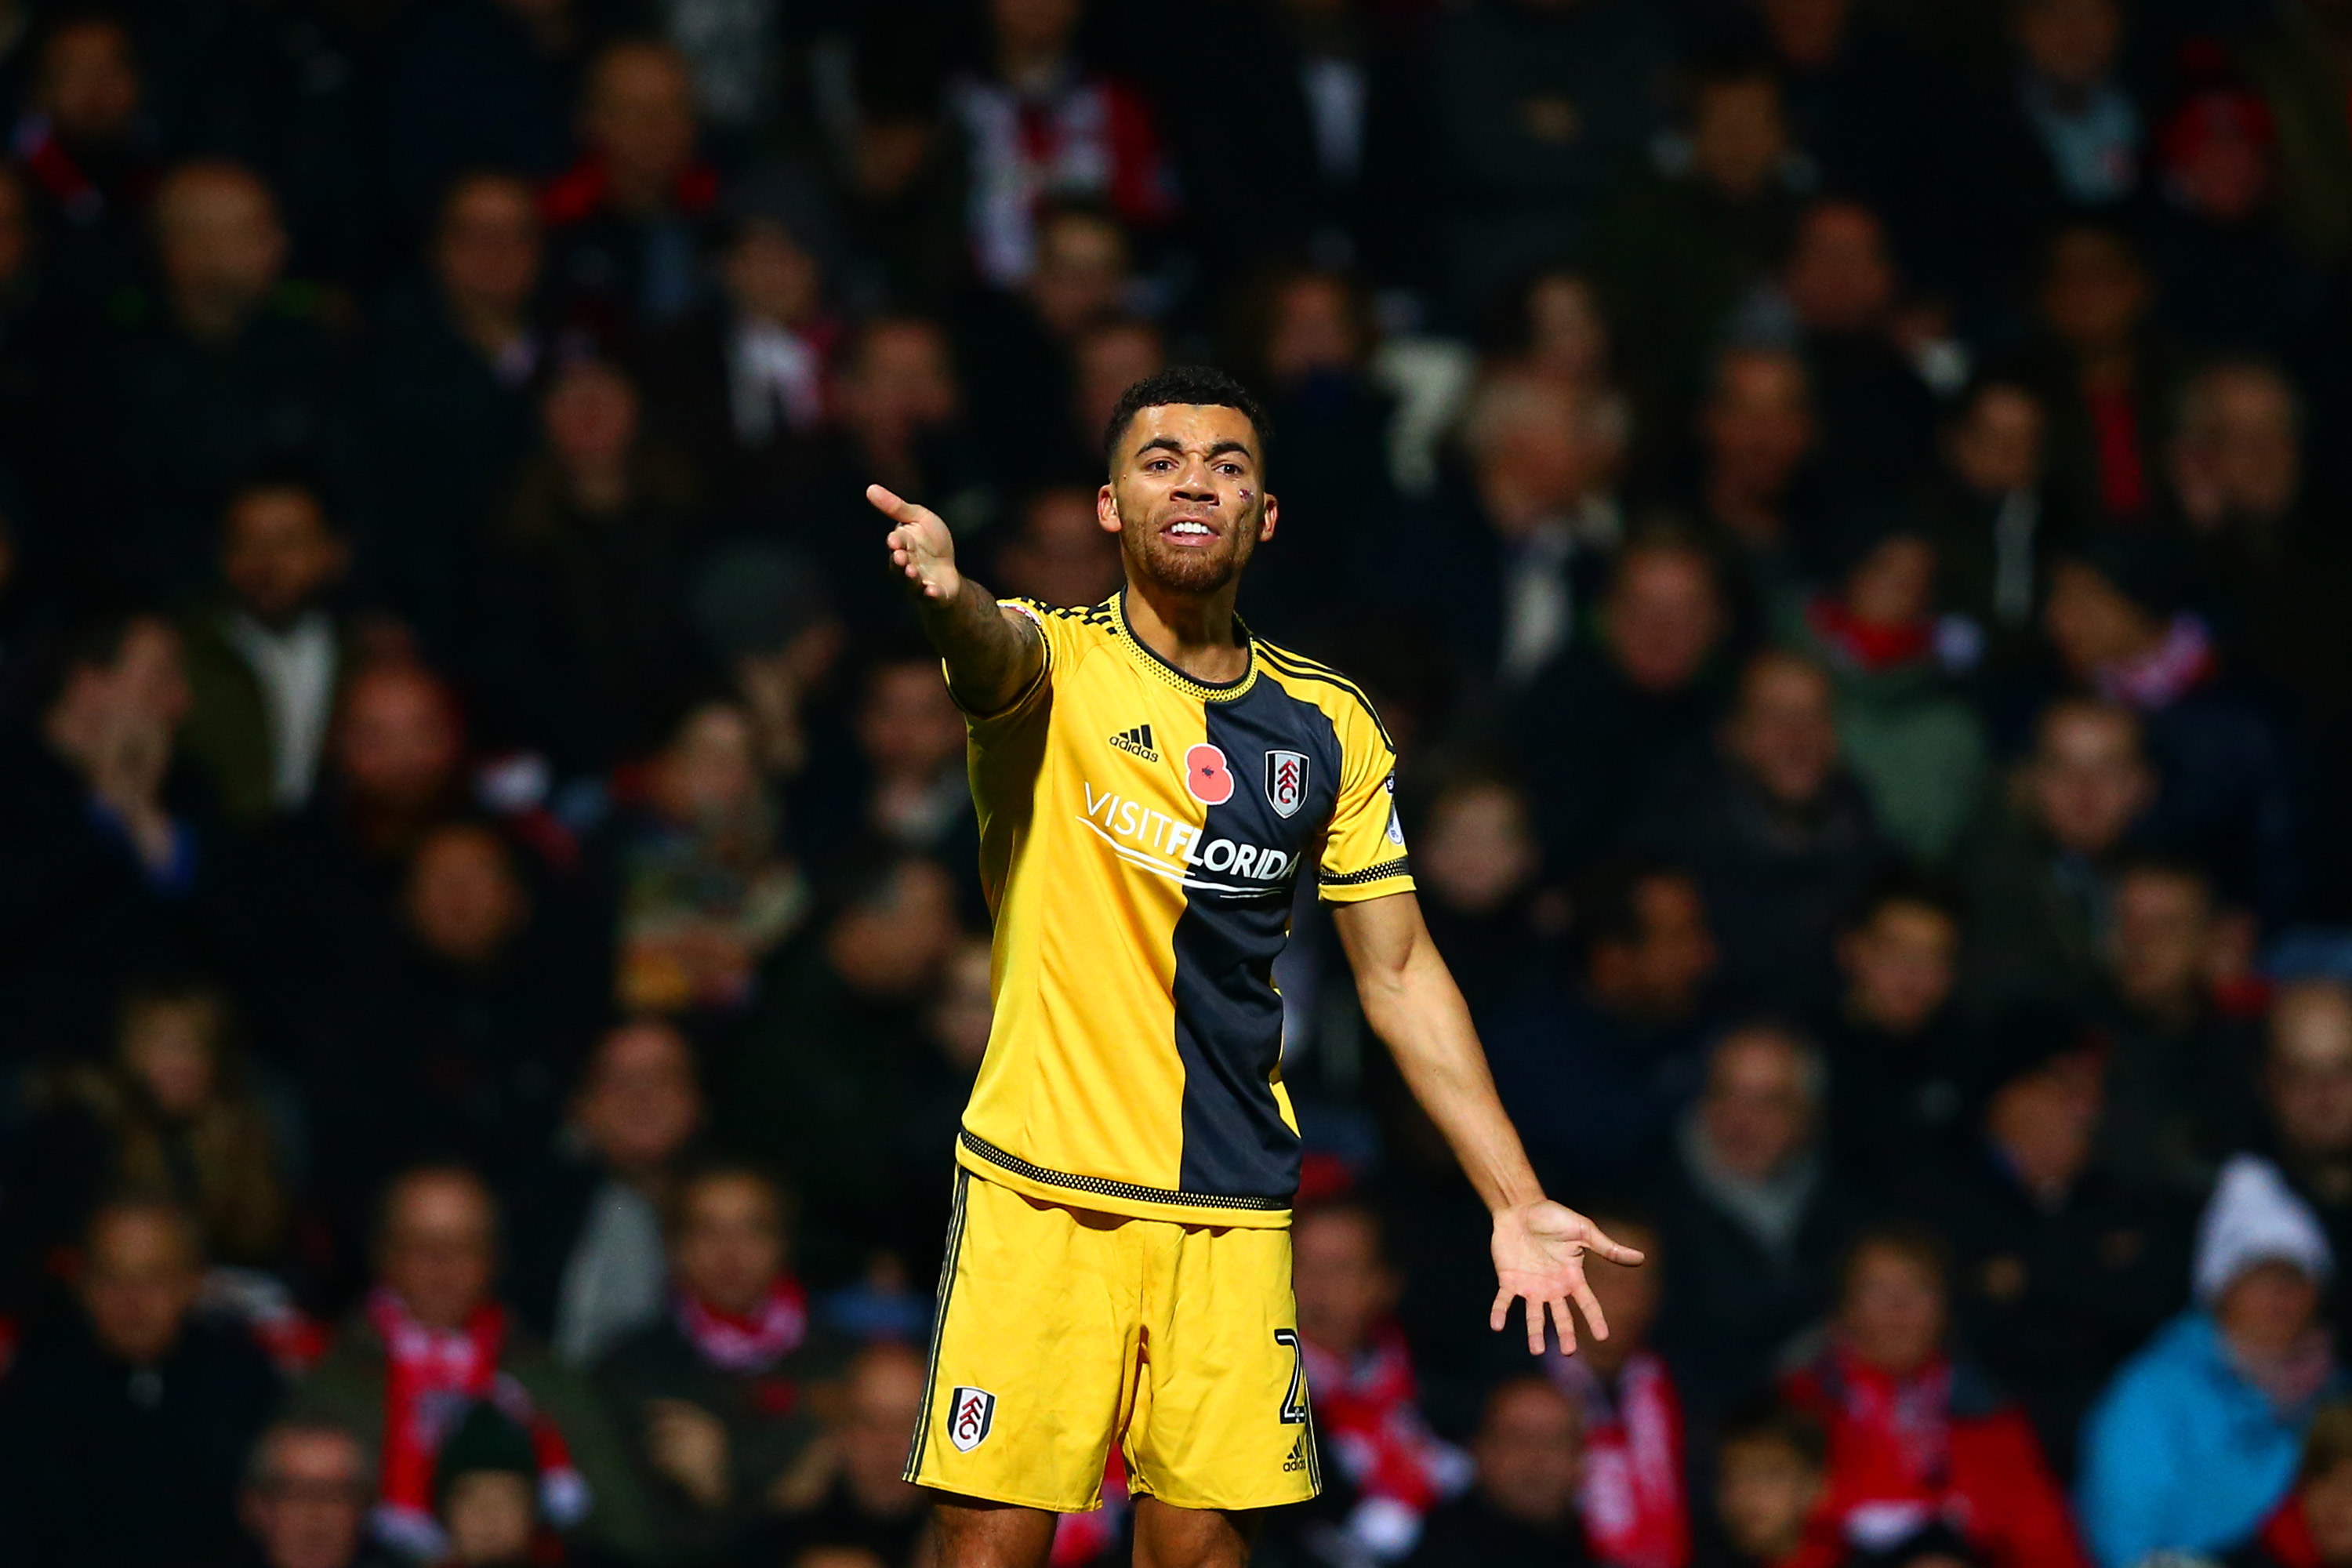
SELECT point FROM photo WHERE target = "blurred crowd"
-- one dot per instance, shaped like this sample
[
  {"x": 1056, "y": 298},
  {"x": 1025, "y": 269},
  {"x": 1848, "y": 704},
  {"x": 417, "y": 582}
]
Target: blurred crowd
[{"x": 1842, "y": 503}]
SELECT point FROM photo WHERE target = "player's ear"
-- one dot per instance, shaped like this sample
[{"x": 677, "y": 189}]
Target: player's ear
[
  {"x": 1265, "y": 523},
  {"x": 1107, "y": 510}
]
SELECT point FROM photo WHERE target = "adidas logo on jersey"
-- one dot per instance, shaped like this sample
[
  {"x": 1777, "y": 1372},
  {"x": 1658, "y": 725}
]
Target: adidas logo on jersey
[{"x": 1137, "y": 742}]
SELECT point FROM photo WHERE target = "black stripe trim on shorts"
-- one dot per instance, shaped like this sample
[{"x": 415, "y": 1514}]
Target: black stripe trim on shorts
[
  {"x": 1379, "y": 873},
  {"x": 939, "y": 1324},
  {"x": 1103, "y": 1187}
]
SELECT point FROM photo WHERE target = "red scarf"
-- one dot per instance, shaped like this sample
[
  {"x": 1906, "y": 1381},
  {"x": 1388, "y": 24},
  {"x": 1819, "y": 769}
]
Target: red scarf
[
  {"x": 1866, "y": 644},
  {"x": 1903, "y": 1424},
  {"x": 1632, "y": 1495},
  {"x": 436, "y": 1375},
  {"x": 57, "y": 172},
  {"x": 2287, "y": 1537},
  {"x": 1368, "y": 1410},
  {"x": 580, "y": 191},
  {"x": 2115, "y": 444},
  {"x": 747, "y": 1342}
]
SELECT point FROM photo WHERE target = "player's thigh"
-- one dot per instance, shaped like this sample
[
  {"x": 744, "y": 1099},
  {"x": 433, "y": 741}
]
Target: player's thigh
[
  {"x": 1167, "y": 1536},
  {"x": 977, "y": 1534},
  {"x": 1031, "y": 1352},
  {"x": 1221, "y": 1418}
]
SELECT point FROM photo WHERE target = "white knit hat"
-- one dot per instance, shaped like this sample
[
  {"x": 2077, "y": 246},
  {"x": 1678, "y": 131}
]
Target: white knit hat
[{"x": 2255, "y": 1217}]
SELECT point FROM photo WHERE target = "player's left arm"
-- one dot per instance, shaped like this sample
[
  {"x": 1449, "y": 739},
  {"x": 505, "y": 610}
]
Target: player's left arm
[{"x": 1411, "y": 1003}]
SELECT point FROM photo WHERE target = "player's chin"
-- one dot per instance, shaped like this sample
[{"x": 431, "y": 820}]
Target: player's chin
[{"x": 1192, "y": 571}]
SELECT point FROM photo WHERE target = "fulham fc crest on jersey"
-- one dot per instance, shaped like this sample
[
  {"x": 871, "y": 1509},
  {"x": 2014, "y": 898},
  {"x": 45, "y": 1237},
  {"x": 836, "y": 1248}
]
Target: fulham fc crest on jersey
[
  {"x": 970, "y": 1413},
  {"x": 1285, "y": 781}
]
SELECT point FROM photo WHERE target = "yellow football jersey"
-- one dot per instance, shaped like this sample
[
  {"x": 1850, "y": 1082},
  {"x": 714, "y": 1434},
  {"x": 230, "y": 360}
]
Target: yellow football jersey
[{"x": 1141, "y": 834}]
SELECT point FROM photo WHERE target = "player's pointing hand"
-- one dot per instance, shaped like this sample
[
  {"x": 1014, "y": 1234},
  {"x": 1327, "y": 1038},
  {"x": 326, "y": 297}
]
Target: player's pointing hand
[
  {"x": 1539, "y": 1253},
  {"x": 920, "y": 545}
]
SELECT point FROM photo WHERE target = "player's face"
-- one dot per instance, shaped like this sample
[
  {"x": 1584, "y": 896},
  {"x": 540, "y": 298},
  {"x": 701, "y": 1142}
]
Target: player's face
[{"x": 1186, "y": 498}]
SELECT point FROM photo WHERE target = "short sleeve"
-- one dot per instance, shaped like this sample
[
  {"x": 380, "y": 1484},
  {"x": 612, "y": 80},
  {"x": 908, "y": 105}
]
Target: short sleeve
[
  {"x": 1053, "y": 634},
  {"x": 1363, "y": 848}
]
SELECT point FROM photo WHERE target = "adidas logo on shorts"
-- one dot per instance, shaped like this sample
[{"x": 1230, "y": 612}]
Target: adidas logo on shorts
[
  {"x": 1137, "y": 742},
  {"x": 1297, "y": 1460}
]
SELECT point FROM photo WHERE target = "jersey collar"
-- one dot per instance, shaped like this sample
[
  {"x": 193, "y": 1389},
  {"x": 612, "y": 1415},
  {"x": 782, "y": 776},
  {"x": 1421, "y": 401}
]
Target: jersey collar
[{"x": 1199, "y": 691}]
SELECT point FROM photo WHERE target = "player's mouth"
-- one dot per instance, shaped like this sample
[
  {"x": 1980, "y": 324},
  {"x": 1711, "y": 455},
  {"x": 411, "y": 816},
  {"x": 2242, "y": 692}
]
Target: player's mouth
[{"x": 1190, "y": 532}]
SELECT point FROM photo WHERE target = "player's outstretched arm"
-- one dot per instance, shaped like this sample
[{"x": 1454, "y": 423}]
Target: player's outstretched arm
[
  {"x": 1410, "y": 1001},
  {"x": 992, "y": 653}
]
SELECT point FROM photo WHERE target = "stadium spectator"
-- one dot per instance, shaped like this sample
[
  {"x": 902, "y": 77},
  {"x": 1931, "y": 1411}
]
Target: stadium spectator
[
  {"x": 485, "y": 1493},
  {"x": 87, "y": 141},
  {"x": 1752, "y": 1215},
  {"x": 2195, "y": 1440},
  {"x": 1058, "y": 552},
  {"x": 1918, "y": 1437},
  {"x": 305, "y": 1497},
  {"x": 2069, "y": 131},
  {"x": 1477, "y": 861},
  {"x": 853, "y": 1489},
  {"x": 431, "y": 1343},
  {"x": 1521, "y": 1510},
  {"x": 2060, "y": 1269},
  {"x": 1771, "y": 1466},
  {"x": 587, "y": 1261},
  {"x": 1894, "y": 1049},
  {"x": 264, "y": 661},
  {"x": 1992, "y": 521},
  {"x": 2306, "y": 1100},
  {"x": 1359, "y": 1376},
  {"x": 2315, "y": 1524},
  {"x": 722, "y": 1392},
  {"x": 124, "y": 1428},
  {"x": 1631, "y": 1492},
  {"x": 1623, "y": 1026},
  {"x": 1753, "y": 486},
  {"x": 1776, "y": 832},
  {"x": 1601, "y": 729},
  {"x": 2107, "y": 386}
]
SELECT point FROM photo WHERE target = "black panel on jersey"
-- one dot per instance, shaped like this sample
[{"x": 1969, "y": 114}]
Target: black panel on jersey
[{"x": 1228, "y": 1014}]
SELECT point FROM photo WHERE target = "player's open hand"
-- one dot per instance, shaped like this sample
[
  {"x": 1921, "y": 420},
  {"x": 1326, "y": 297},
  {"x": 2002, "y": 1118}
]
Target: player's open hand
[
  {"x": 920, "y": 545},
  {"x": 1539, "y": 1253}
]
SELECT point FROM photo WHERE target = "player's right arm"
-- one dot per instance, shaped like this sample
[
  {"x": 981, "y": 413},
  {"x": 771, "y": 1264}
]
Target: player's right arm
[{"x": 993, "y": 654}]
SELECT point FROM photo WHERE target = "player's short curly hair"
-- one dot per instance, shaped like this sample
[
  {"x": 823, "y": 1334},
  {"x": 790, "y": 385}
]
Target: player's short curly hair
[{"x": 1200, "y": 384}]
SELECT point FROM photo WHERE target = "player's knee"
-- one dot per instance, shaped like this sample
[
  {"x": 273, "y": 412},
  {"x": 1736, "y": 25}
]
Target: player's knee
[
  {"x": 974, "y": 1533},
  {"x": 1170, "y": 1537}
]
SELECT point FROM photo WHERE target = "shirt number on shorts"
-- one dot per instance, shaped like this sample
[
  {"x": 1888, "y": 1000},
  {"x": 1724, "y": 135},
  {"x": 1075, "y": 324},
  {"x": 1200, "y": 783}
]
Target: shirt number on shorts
[{"x": 1294, "y": 1403}]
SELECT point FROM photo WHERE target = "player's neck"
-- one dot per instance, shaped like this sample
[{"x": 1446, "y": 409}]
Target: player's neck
[{"x": 1194, "y": 632}]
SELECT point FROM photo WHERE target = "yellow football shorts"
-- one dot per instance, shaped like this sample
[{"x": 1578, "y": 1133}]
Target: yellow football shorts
[{"x": 1060, "y": 1331}]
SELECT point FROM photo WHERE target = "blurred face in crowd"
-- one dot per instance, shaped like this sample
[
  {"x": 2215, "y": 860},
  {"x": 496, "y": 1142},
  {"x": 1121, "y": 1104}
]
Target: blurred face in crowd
[
  {"x": 2160, "y": 942},
  {"x": 709, "y": 773},
  {"x": 2089, "y": 780},
  {"x": 1567, "y": 335},
  {"x": 1758, "y": 424},
  {"x": 1531, "y": 443},
  {"x": 1314, "y": 331},
  {"x": 1664, "y": 616},
  {"x": 308, "y": 1499},
  {"x": 139, "y": 1281},
  {"x": 2071, "y": 44},
  {"x": 1739, "y": 135},
  {"x": 639, "y": 113},
  {"x": 900, "y": 382},
  {"x": 1894, "y": 584},
  {"x": 1807, "y": 34},
  {"x": 397, "y": 742},
  {"x": 1530, "y": 1453},
  {"x": 641, "y": 1101},
  {"x": 1661, "y": 976},
  {"x": 1478, "y": 850},
  {"x": 2307, "y": 1078},
  {"x": 463, "y": 900},
  {"x": 771, "y": 277},
  {"x": 2327, "y": 1500},
  {"x": 1187, "y": 497},
  {"x": 1840, "y": 279},
  {"x": 89, "y": 83},
  {"x": 1081, "y": 273},
  {"x": 1061, "y": 555},
  {"x": 1784, "y": 732},
  {"x": 2239, "y": 451},
  {"x": 590, "y": 417},
  {"x": 1033, "y": 32},
  {"x": 1765, "y": 1492},
  {"x": 222, "y": 244},
  {"x": 1891, "y": 1314},
  {"x": 1111, "y": 357},
  {"x": 1759, "y": 1107},
  {"x": 170, "y": 1046},
  {"x": 146, "y": 686},
  {"x": 279, "y": 555},
  {"x": 488, "y": 250},
  {"x": 489, "y": 1516},
  {"x": 439, "y": 1246},
  {"x": 961, "y": 1019},
  {"x": 1629, "y": 1297},
  {"x": 891, "y": 948},
  {"x": 2044, "y": 1123},
  {"x": 885, "y": 1403},
  {"x": 908, "y": 725},
  {"x": 731, "y": 1241},
  {"x": 2093, "y": 624},
  {"x": 1345, "y": 1286},
  {"x": 1900, "y": 966},
  {"x": 2266, "y": 1311},
  {"x": 1996, "y": 447},
  {"x": 2094, "y": 293}
]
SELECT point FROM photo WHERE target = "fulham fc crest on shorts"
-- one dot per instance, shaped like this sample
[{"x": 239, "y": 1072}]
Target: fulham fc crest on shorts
[
  {"x": 1285, "y": 781},
  {"x": 970, "y": 1413}
]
